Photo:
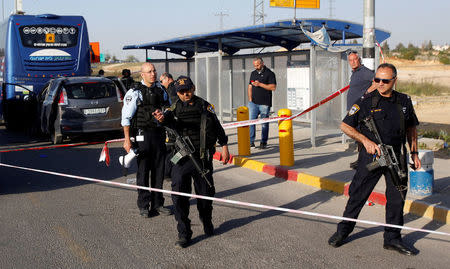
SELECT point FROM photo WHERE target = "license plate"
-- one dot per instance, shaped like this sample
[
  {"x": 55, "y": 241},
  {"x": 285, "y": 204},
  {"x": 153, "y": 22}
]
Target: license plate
[{"x": 92, "y": 111}]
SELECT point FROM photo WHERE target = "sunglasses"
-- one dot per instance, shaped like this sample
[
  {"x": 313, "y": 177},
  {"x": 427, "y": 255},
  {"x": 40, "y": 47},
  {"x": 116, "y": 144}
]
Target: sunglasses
[{"x": 385, "y": 81}]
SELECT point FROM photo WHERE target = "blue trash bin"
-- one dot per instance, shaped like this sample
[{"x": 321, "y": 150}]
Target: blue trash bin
[{"x": 421, "y": 181}]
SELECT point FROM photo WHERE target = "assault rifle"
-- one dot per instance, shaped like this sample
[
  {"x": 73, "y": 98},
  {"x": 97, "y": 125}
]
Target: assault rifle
[
  {"x": 387, "y": 159},
  {"x": 184, "y": 147}
]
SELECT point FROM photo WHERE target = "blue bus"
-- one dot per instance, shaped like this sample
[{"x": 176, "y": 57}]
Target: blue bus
[{"x": 33, "y": 50}]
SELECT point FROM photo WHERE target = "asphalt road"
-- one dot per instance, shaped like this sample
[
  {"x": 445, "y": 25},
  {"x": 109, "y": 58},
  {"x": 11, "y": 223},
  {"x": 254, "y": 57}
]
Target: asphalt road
[{"x": 56, "y": 222}]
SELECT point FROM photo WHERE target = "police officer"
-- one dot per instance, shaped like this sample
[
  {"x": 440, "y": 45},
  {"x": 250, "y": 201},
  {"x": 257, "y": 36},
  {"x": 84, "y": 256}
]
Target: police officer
[
  {"x": 194, "y": 117},
  {"x": 395, "y": 120},
  {"x": 126, "y": 79},
  {"x": 138, "y": 122}
]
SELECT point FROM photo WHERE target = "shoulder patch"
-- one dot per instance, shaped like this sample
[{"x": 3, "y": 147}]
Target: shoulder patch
[
  {"x": 353, "y": 110},
  {"x": 128, "y": 99},
  {"x": 210, "y": 108}
]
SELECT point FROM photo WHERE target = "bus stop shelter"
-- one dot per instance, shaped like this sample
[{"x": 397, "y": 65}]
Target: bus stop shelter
[{"x": 221, "y": 63}]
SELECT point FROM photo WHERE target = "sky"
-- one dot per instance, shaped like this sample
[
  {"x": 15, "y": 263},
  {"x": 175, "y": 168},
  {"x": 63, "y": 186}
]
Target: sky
[{"x": 116, "y": 23}]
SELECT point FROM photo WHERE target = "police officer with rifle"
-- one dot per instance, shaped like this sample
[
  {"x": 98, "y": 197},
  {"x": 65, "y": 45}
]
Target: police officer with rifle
[
  {"x": 197, "y": 131},
  {"x": 382, "y": 121},
  {"x": 149, "y": 138}
]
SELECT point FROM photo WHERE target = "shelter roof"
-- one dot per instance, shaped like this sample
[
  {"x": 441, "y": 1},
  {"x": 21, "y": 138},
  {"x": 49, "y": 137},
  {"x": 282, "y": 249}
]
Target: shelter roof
[{"x": 287, "y": 34}]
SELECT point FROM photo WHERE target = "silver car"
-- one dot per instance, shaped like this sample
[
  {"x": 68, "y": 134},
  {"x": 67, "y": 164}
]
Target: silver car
[{"x": 74, "y": 105}]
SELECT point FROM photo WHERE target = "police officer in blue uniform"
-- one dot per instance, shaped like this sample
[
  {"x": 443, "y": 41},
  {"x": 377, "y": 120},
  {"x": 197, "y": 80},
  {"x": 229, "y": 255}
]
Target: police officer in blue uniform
[
  {"x": 191, "y": 116},
  {"x": 396, "y": 122},
  {"x": 138, "y": 122}
]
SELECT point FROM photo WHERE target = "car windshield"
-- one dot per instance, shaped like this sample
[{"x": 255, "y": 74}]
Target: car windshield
[{"x": 90, "y": 90}]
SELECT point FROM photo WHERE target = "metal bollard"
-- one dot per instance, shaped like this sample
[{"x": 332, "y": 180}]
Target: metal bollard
[
  {"x": 243, "y": 132},
  {"x": 286, "y": 138}
]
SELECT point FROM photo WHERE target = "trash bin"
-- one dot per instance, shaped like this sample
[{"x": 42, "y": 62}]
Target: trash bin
[{"x": 421, "y": 181}]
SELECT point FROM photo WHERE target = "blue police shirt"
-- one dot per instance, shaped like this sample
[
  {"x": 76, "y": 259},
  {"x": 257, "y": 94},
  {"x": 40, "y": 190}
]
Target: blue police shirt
[{"x": 130, "y": 104}]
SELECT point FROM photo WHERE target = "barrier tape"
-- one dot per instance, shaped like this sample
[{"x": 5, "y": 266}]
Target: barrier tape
[
  {"x": 53, "y": 146},
  {"x": 234, "y": 202},
  {"x": 104, "y": 155},
  {"x": 266, "y": 120}
]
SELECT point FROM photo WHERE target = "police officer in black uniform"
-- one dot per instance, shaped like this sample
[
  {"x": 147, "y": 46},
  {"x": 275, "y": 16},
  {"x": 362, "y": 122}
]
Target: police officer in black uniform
[
  {"x": 138, "y": 122},
  {"x": 396, "y": 122},
  {"x": 126, "y": 79},
  {"x": 191, "y": 116}
]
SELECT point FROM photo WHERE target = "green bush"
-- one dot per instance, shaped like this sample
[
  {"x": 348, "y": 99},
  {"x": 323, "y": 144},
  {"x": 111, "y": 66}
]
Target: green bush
[{"x": 425, "y": 88}]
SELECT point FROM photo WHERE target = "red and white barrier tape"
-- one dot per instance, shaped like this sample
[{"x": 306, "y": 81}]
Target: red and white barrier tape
[
  {"x": 53, "y": 146},
  {"x": 104, "y": 155},
  {"x": 246, "y": 204}
]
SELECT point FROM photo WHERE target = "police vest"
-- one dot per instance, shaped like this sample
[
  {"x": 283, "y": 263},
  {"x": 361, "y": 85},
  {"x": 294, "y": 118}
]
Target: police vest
[
  {"x": 193, "y": 120},
  {"x": 152, "y": 99}
]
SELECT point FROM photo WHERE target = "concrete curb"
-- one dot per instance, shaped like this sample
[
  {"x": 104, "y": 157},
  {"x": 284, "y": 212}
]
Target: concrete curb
[{"x": 419, "y": 208}]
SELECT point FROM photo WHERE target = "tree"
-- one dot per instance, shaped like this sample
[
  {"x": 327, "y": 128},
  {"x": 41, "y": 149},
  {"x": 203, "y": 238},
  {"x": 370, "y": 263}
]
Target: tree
[
  {"x": 399, "y": 47},
  {"x": 385, "y": 48},
  {"x": 429, "y": 46},
  {"x": 132, "y": 59}
]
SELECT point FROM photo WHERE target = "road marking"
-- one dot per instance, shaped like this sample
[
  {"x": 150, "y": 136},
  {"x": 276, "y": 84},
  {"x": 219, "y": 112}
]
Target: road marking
[{"x": 74, "y": 247}]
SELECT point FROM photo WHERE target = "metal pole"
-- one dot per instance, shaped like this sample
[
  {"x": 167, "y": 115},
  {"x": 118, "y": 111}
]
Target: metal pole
[
  {"x": 220, "y": 80},
  {"x": 295, "y": 10},
  {"x": 312, "y": 86},
  {"x": 369, "y": 34},
  {"x": 167, "y": 64},
  {"x": 196, "y": 66},
  {"x": 231, "y": 90},
  {"x": 246, "y": 85},
  {"x": 343, "y": 75},
  {"x": 146, "y": 55},
  {"x": 208, "y": 81}
]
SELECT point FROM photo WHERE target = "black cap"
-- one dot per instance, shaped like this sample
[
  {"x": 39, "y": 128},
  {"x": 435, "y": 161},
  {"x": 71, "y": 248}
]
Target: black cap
[{"x": 183, "y": 83}]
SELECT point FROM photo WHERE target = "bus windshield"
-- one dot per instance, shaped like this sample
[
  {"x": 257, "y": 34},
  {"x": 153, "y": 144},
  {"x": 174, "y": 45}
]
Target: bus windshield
[{"x": 48, "y": 36}]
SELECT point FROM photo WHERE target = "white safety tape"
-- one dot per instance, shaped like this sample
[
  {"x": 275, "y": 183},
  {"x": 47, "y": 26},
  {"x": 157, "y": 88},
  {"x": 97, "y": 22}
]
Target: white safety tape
[{"x": 295, "y": 211}]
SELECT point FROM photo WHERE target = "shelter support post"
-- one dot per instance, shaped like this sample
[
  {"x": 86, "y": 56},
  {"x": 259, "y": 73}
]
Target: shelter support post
[
  {"x": 312, "y": 86},
  {"x": 208, "y": 81},
  {"x": 167, "y": 64},
  {"x": 343, "y": 75},
  {"x": 196, "y": 64},
  {"x": 220, "y": 80},
  {"x": 231, "y": 88}
]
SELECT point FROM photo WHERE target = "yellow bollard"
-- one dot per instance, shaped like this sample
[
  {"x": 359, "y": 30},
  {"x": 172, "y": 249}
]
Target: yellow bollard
[
  {"x": 243, "y": 132},
  {"x": 286, "y": 138}
]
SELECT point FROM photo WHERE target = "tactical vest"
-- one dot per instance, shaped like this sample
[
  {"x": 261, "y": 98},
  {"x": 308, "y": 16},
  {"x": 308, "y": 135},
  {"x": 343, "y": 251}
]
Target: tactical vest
[
  {"x": 152, "y": 99},
  {"x": 189, "y": 123}
]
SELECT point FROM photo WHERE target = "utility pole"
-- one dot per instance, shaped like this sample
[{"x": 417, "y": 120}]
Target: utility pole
[
  {"x": 258, "y": 12},
  {"x": 221, "y": 15},
  {"x": 331, "y": 8},
  {"x": 18, "y": 7},
  {"x": 369, "y": 34}
]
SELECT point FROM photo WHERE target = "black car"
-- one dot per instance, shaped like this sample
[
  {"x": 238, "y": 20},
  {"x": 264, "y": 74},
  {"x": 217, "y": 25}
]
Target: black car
[{"x": 74, "y": 105}]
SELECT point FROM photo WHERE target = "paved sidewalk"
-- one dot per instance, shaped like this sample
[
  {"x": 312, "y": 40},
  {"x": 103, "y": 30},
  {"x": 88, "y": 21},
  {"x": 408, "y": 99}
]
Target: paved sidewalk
[{"x": 326, "y": 166}]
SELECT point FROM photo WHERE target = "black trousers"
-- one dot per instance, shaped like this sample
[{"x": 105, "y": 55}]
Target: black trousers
[
  {"x": 360, "y": 188},
  {"x": 151, "y": 159},
  {"x": 182, "y": 174}
]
